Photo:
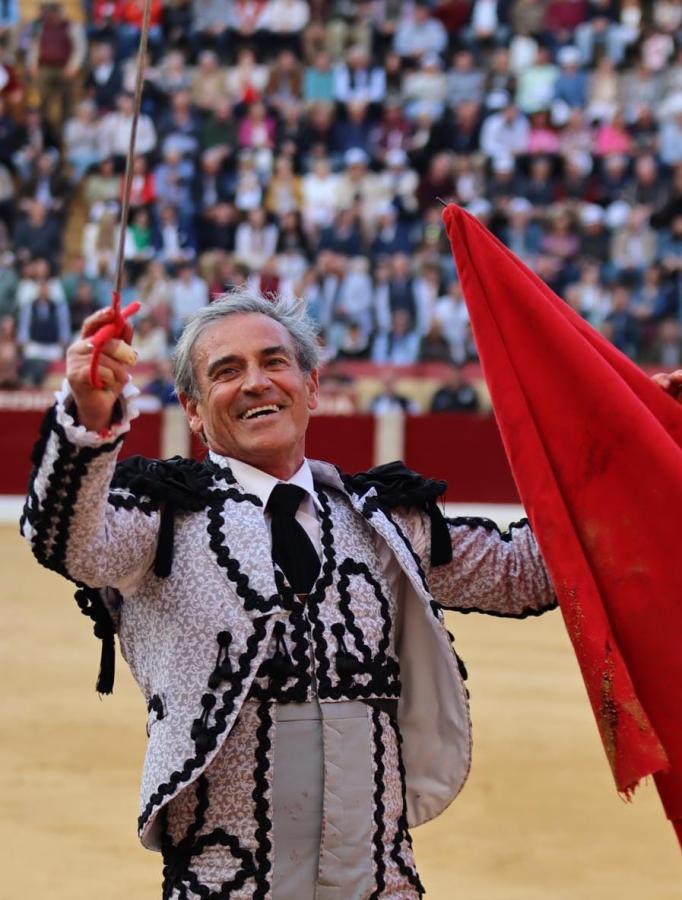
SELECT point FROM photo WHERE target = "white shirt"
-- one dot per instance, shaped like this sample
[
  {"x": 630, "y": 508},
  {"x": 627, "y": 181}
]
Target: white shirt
[{"x": 255, "y": 481}]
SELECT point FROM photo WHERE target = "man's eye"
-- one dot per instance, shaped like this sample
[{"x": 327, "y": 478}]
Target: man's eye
[{"x": 277, "y": 361}]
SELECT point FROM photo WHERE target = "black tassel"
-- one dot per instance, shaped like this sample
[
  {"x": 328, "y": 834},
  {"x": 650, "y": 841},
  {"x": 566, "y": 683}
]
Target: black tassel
[
  {"x": 163, "y": 560},
  {"x": 441, "y": 546},
  {"x": 107, "y": 665}
]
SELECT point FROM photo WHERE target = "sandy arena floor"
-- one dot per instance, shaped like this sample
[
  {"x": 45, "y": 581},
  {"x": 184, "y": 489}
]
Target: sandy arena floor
[{"x": 539, "y": 819}]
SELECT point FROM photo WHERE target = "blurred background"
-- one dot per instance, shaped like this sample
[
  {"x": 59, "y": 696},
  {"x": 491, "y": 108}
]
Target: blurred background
[{"x": 306, "y": 148}]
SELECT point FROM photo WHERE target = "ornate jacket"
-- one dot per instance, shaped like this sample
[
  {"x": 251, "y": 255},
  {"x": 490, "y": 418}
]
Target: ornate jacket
[{"x": 175, "y": 557}]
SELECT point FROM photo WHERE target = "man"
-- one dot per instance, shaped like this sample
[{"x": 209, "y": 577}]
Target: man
[{"x": 282, "y": 620}]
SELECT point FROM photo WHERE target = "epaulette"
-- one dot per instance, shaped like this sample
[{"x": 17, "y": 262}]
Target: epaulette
[{"x": 397, "y": 487}]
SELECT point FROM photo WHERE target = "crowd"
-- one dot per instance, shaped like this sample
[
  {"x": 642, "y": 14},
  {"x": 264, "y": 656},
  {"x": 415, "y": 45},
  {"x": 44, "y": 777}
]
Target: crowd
[{"x": 307, "y": 148}]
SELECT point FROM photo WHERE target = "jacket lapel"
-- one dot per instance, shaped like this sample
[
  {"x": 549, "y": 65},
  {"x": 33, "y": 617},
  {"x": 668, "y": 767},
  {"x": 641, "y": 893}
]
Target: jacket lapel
[{"x": 240, "y": 542}]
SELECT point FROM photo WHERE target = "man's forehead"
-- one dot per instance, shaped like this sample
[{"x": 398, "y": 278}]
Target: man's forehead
[{"x": 242, "y": 335}]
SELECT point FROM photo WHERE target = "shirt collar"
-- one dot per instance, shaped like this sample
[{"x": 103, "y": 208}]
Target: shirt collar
[{"x": 256, "y": 481}]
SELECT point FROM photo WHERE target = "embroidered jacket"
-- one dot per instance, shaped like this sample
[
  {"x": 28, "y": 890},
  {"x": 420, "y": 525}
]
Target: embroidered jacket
[{"x": 214, "y": 623}]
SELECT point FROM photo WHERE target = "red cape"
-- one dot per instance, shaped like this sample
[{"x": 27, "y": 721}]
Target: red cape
[{"x": 596, "y": 451}]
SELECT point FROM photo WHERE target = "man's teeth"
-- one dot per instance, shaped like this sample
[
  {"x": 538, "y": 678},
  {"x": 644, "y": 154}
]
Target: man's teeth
[{"x": 260, "y": 410}]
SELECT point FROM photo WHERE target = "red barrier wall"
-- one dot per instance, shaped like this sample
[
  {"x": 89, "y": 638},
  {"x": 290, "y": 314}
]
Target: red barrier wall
[
  {"x": 346, "y": 441},
  {"x": 464, "y": 450},
  {"x": 19, "y": 430}
]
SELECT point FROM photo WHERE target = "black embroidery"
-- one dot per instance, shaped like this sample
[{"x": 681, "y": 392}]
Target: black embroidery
[
  {"x": 252, "y": 599},
  {"x": 488, "y": 525},
  {"x": 317, "y": 595},
  {"x": 413, "y": 553},
  {"x": 290, "y": 685},
  {"x": 50, "y": 520},
  {"x": 262, "y": 806},
  {"x": 379, "y": 807},
  {"x": 178, "y": 874},
  {"x": 381, "y": 667},
  {"x": 402, "y": 834},
  {"x": 397, "y": 486},
  {"x": 222, "y": 714}
]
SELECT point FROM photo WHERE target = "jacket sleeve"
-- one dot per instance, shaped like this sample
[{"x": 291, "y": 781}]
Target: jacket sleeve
[
  {"x": 75, "y": 523},
  {"x": 497, "y": 572}
]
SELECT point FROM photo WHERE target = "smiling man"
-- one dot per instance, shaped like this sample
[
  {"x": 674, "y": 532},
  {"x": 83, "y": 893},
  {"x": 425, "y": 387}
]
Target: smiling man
[{"x": 283, "y": 621}]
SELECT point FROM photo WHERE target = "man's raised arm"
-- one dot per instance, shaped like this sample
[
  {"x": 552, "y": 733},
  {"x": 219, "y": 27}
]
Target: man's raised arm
[{"x": 75, "y": 525}]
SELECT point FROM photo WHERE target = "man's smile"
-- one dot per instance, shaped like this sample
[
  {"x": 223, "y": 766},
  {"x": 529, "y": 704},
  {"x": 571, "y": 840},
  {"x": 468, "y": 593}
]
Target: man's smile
[{"x": 261, "y": 411}]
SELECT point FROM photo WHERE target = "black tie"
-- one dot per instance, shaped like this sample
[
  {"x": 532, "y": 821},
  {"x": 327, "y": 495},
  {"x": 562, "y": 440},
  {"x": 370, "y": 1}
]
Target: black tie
[{"x": 292, "y": 549}]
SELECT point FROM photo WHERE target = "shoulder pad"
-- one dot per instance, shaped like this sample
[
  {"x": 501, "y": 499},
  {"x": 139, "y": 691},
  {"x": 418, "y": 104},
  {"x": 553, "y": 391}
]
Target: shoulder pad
[{"x": 178, "y": 482}]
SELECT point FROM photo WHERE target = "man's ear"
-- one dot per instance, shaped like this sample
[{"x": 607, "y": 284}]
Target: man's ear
[
  {"x": 191, "y": 408},
  {"x": 313, "y": 380}
]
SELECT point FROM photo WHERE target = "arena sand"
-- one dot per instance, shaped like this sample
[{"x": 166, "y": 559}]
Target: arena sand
[{"x": 538, "y": 820}]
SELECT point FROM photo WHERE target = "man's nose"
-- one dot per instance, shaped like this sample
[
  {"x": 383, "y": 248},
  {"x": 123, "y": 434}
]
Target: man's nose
[{"x": 255, "y": 379}]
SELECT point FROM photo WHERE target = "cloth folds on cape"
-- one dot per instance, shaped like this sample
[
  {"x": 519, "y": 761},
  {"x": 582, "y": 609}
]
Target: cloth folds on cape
[{"x": 596, "y": 451}]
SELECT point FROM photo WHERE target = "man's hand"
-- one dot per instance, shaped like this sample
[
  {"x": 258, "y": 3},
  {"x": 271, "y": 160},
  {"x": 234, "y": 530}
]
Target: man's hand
[
  {"x": 95, "y": 405},
  {"x": 671, "y": 383}
]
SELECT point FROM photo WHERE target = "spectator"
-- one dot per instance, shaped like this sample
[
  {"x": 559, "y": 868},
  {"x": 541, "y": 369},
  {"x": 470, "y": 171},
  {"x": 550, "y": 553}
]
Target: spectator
[
  {"x": 285, "y": 20},
  {"x": 451, "y": 312},
  {"x": 9, "y": 354},
  {"x": 320, "y": 196},
  {"x": 434, "y": 347},
  {"x": 181, "y": 125},
  {"x": 571, "y": 86},
  {"x": 34, "y": 137},
  {"x": 128, "y": 17},
  {"x": 670, "y": 150},
  {"x": 115, "y": 129},
  {"x": 255, "y": 240},
  {"x": 207, "y": 84},
  {"x": 319, "y": 79},
  {"x": 633, "y": 247},
  {"x": 83, "y": 304},
  {"x": 419, "y": 33},
  {"x": 355, "y": 79},
  {"x": 219, "y": 128},
  {"x": 465, "y": 82},
  {"x": 209, "y": 25},
  {"x": 42, "y": 333},
  {"x": 149, "y": 340},
  {"x": 55, "y": 57},
  {"x": 455, "y": 395},
  {"x": 352, "y": 303},
  {"x": 505, "y": 133},
  {"x": 81, "y": 140},
  {"x": 400, "y": 345},
  {"x": 104, "y": 81},
  {"x": 246, "y": 80},
  {"x": 174, "y": 180},
  {"x": 37, "y": 234},
  {"x": 425, "y": 89},
  {"x": 612, "y": 137},
  {"x": 536, "y": 84},
  {"x": 188, "y": 293},
  {"x": 175, "y": 242},
  {"x": 620, "y": 325},
  {"x": 390, "y": 400}
]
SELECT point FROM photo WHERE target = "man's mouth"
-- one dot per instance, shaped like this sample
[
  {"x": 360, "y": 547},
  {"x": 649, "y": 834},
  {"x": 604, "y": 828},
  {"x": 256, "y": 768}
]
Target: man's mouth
[{"x": 260, "y": 411}]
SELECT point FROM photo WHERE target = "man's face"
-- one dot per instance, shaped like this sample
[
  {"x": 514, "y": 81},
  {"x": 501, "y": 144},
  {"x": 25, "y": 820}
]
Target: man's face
[{"x": 255, "y": 400}]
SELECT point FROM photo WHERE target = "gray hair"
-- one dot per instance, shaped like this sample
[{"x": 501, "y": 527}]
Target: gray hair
[{"x": 240, "y": 301}]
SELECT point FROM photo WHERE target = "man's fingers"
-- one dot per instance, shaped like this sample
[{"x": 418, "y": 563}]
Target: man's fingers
[
  {"x": 121, "y": 351},
  {"x": 94, "y": 322}
]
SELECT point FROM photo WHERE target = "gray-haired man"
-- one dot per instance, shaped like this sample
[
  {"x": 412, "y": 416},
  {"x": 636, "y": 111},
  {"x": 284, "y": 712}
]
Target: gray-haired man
[{"x": 294, "y": 732}]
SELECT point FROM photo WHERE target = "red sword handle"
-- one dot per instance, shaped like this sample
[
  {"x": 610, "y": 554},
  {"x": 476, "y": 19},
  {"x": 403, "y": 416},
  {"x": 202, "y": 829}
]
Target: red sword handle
[{"x": 112, "y": 330}]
